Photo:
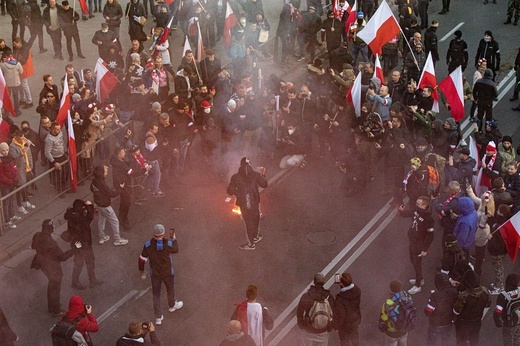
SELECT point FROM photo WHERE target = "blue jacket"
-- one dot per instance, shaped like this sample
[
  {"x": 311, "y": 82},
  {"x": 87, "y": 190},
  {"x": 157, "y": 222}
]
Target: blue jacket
[{"x": 466, "y": 225}]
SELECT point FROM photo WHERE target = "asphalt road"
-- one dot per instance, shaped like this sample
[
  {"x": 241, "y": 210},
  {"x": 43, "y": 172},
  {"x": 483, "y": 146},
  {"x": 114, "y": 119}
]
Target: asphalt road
[{"x": 311, "y": 226}]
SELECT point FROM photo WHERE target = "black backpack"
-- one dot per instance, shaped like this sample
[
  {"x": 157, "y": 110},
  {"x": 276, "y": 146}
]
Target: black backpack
[
  {"x": 63, "y": 331},
  {"x": 512, "y": 308},
  {"x": 457, "y": 51}
]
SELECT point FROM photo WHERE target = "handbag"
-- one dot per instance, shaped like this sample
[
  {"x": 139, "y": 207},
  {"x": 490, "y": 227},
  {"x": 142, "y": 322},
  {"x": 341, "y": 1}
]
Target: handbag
[{"x": 263, "y": 36}]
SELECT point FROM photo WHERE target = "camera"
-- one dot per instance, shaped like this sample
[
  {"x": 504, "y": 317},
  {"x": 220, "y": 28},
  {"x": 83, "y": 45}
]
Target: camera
[
  {"x": 145, "y": 326},
  {"x": 337, "y": 278}
]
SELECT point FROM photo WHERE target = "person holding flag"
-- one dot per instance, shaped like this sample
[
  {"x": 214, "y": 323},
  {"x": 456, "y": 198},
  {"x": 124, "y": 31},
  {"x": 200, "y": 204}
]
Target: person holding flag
[{"x": 161, "y": 47}]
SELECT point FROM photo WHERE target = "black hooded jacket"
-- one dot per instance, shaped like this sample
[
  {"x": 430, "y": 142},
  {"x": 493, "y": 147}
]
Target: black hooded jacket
[
  {"x": 244, "y": 185},
  {"x": 440, "y": 305},
  {"x": 512, "y": 291},
  {"x": 471, "y": 303},
  {"x": 79, "y": 218},
  {"x": 102, "y": 193}
]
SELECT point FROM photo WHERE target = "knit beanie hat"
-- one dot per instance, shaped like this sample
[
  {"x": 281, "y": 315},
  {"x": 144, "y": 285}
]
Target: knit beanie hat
[
  {"x": 158, "y": 231},
  {"x": 507, "y": 139}
]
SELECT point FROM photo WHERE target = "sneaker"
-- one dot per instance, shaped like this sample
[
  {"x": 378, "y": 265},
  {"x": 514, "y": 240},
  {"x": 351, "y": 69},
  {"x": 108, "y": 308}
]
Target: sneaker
[
  {"x": 178, "y": 304},
  {"x": 158, "y": 194},
  {"x": 15, "y": 218},
  {"x": 23, "y": 211},
  {"x": 104, "y": 239},
  {"x": 158, "y": 321},
  {"x": 414, "y": 290},
  {"x": 138, "y": 203},
  {"x": 28, "y": 205},
  {"x": 121, "y": 242},
  {"x": 247, "y": 247},
  {"x": 258, "y": 238},
  {"x": 10, "y": 224},
  {"x": 301, "y": 58},
  {"x": 412, "y": 282},
  {"x": 494, "y": 291}
]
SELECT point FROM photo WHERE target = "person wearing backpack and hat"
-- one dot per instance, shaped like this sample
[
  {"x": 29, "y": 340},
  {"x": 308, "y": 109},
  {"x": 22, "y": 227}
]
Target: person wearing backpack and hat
[
  {"x": 314, "y": 313},
  {"x": 507, "y": 309},
  {"x": 469, "y": 309},
  {"x": 81, "y": 316},
  {"x": 347, "y": 313},
  {"x": 398, "y": 315},
  {"x": 457, "y": 54}
]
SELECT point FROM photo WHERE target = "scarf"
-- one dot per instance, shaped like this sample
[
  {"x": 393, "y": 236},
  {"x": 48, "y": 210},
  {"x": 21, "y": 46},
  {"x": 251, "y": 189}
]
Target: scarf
[
  {"x": 141, "y": 161},
  {"x": 448, "y": 200},
  {"x": 484, "y": 179},
  {"x": 24, "y": 153}
]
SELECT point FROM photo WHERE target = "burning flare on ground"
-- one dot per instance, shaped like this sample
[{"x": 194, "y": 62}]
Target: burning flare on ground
[{"x": 236, "y": 210}]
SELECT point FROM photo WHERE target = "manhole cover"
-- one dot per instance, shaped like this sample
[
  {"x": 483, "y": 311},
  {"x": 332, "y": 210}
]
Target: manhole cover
[{"x": 321, "y": 238}]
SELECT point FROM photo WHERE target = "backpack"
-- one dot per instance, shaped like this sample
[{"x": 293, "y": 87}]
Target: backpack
[
  {"x": 320, "y": 314},
  {"x": 406, "y": 314},
  {"x": 457, "y": 51},
  {"x": 63, "y": 331},
  {"x": 26, "y": 14},
  {"x": 433, "y": 180},
  {"x": 512, "y": 308}
]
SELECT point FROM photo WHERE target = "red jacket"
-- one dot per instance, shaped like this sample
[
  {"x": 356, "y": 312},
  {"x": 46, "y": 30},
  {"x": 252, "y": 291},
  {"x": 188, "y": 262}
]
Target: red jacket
[
  {"x": 8, "y": 171},
  {"x": 87, "y": 323}
]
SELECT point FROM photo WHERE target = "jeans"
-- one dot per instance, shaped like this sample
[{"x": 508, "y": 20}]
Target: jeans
[
  {"x": 467, "y": 331},
  {"x": 423, "y": 13},
  {"x": 480, "y": 253},
  {"x": 125, "y": 202},
  {"x": 401, "y": 341},
  {"x": 53, "y": 287},
  {"x": 26, "y": 92},
  {"x": 358, "y": 48},
  {"x": 154, "y": 177},
  {"x": 414, "y": 251},
  {"x": 442, "y": 332},
  {"x": 156, "y": 291},
  {"x": 18, "y": 23},
  {"x": 107, "y": 213},
  {"x": 15, "y": 93}
]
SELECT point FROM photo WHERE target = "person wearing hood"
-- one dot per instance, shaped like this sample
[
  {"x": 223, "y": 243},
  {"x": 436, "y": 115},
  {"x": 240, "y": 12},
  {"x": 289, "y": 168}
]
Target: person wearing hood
[
  {"x": 81, "y": 315},
  {"x": 505, "y": 149},
  {"x": 136, "y": 335},
  {"x": 236, "y": 336},
  {"x": 244, "y": 185},
  {"x": 488, "y": 49},
  {"x": 466, "y": 225},
  {"x": 103, "y": 198},
  {"x": 340, "y": 56},
  {"x": 440, "y": 138},
  {"x": 420, "y": 236},
  {"x": 347, "y": 311},
  {"x": 457, "y": 54},
  {"x": 431, "y": 41},
  {"x": 439, "y": 310},
  {"x": 317, "y": 292},
  {"x": 469, "y": 309},
  {"x": 332, "y": 31},
  {"x": 506, "y": 314},
  {"x": 12, "y": 71},
  {"x": 484, "y": 93},
  {"x": 48, "y": 259},
  {"x": 500, "y": 194}
]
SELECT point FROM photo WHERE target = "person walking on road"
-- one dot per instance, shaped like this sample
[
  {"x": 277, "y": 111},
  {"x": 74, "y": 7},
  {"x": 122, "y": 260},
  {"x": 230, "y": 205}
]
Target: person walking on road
[
  {"x": 103, "y": 198},
  {"x": 347, "y": 311},
  {"x": 244, "y": 185},
  {"x": 7, "y": 335},
  {"x": 314, "y": 329},
  {"x": 488, "y": 49},
  {"x": 48, "y": 259},
  {"x": 158, "y": 251},
  {"x": 79, "y": 218},
  {"x": 506, "y": 311}
]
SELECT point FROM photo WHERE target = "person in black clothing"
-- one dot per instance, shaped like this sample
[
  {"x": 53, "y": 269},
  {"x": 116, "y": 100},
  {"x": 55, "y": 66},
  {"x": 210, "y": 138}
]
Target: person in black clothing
[
  {"x": 136, "y": 335},
  {"x": 236, "y": 337},
  {"x": 488, "y": 48},
  {"x": 508, "y": 320},
  {"x": 7, "y": 335},
  {"x": 315, "y": 293},
  {"x": 68, "y": 19},
  {"x": 457, "y": 54},
  {"x": 79, "y": 218},
  {"x": 104, "y": 38},
  {"x": 134, "y": 12},
  {"x": 14, "y": 9},
  {"x": 347, "y": 312},
  {"x": 36, "y": 26},
  {"x": 431, "y": 42},
  {"x": 158, "y": 251},
  {"x": 48, "y": 258},
  {"x": 210, "y": 67},
  {"x": 440, "y": 309},
  {"x": 244, "y": 185},
  {"x": 484, "y": 93},
  {"x": 420, "y": 235},
  {"x": 332, "y": 29}
]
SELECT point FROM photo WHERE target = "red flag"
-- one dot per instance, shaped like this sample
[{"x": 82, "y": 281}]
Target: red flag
[
  {"x": 105, "y": 81},
  {"x": 5, "y": 98},
  {"x": 452, "y": 88},
  {"x": 84, "y": 7},
  {"x": 354, "y": 95},
  {"x": 510, "y": 232},
  {"x": 229, "y": 23},
  {"x": 73, "y": 158},
  {"x": 378, "y": 71},
  {"x": 339, "y": 11},
  {"x": 351, "y": 19},
  {"x": 64, "y": 104},
  {"x": 380, "y": 28},
  {"x": 169, "y": 2},
  {"x": 4, "y": 130},
  {"x": 428, "y": 79},
  {"x": 164, "y": 36}
]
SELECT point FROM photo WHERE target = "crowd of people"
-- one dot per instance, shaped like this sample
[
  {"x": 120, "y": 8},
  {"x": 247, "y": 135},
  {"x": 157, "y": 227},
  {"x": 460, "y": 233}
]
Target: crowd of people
[{"x": 158, "y": 112}]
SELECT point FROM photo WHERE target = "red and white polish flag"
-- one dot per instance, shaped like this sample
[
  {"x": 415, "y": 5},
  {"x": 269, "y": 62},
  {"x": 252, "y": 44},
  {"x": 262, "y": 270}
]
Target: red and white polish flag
[
  {"x": 229, "y": 22},
  {"x": 73, "y": 158},
  {"x": 5, "y": 97},
  {"x": 452, "y": 88},
  {"x": 64, "y": 111},
  {"x": 351, "y": 19},
  {"x": 378, "y": 71},
  {"x": 510, "y": 232},
  {"x": 354, "y": 95},
  {"x": 428, "y": 79},
  {"x": 380, "y": 28},
  {"x": 105, "y": 81}
]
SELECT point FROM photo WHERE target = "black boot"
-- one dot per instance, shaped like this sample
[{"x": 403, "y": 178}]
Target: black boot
[
  {"x": 514, "y": 98},
  {"x": 516, "y": 22},
  {"x": 508, "y": 21}
]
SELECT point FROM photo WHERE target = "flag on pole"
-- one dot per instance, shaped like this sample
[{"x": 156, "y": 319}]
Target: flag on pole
[
  {"x": 510, "y": 232},
  {"x": 229, "y": 23},
  {"x": 73, "y": 158},
  {"x": 200, "y": 44},
  {"x": 192, "y": 26},
  {"x": 84, "y": 7},
  {"x": 380, "y": 28},
  {"x": 187, "y": 46},
  {"x": 164, "y": 36},
  {"x": 5, "y": 98},
  {"x": 452, "y": 88},
  {"x": 339, "y": 11},
  {"x": 378, "y": 71},
  {"x": 351, "y": 19},
  {"x": 354, "y": 95},
  {"x": 474, "y": 153},
  {"x": 105, "y": 81},
  {"x": 4, "y": 130},
  {"x": 64, "y": 104},
  {"x": 428, "y": 79}
]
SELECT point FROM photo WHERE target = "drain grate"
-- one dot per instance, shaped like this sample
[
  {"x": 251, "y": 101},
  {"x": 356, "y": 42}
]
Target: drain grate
[{"x": 321, "y": 238}]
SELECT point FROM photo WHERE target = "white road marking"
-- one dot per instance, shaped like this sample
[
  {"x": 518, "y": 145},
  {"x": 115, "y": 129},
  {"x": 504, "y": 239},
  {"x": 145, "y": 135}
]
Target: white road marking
[
  {"x": 116, "y": 306},
  {"x": 448, "y": 35}
]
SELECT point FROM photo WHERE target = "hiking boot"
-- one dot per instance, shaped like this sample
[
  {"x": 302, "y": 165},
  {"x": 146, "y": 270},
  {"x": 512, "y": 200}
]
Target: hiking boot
[
  {"x": 414, "y": 290},
  {"x": 508, "y": 20},
  {"x": 258, "y": 238},
  {"x": 494, "y": 291},
  {"x": 516, "y": 22},
  {"x": 121, "y": 242},
  {"x": 443, "y": 11},
  {"x": 158, "y": 321},
  {"x": 178, "y": 304},
  {"x": 412, "y": 282},
  {"x": 247, "y": 247},
  {"x": 514, "y": 98},
  {"x": 104, "y": 239}
]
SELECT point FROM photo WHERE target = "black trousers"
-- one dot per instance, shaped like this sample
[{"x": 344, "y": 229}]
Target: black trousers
[
  {"x": 487, "y": 110},
  {"x": 467, "y": 331},
  {"x": 415, "y": 251},
  {"x": 69, "y": 44},
  {"x": 18, "y": 24},
  {"x": 36, "y": 30},
  {"x": 124, "y": 204},
  {"x": 56, "y": 41},
  {"x": 251, "y": 220},
  {"x": 54, "y": 275},
  {"x": 82, "y": 256}
]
